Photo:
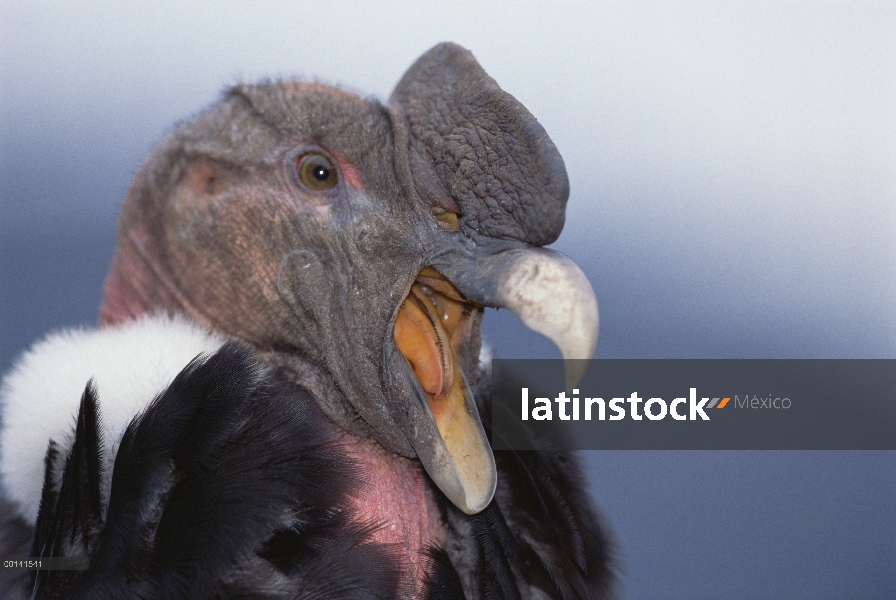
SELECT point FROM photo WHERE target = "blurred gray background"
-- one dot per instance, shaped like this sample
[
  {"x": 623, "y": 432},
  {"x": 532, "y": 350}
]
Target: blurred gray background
[{"x": 733, "y": 173}]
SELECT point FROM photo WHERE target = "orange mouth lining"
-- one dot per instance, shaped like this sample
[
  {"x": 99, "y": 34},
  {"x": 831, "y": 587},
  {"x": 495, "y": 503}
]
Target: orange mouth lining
[{"x": 432, "y": 327}]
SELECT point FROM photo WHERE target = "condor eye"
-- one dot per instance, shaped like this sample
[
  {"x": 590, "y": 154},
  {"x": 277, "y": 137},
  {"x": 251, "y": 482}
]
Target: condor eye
[{"x": 317, "y": 172}]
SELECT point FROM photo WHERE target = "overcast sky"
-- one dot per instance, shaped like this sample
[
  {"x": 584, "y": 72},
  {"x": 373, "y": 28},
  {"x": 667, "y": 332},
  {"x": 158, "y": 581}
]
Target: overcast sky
[
  {"x": 732, "y": 166},
  {"x": 733, "y": 173}
]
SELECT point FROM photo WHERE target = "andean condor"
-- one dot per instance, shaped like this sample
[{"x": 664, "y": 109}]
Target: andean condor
[{"x": 284, "y": 398}]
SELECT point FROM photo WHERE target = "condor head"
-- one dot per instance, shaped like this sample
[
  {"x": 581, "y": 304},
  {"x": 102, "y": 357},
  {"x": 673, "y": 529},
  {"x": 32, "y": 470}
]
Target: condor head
[{"x": 358, "y": 243}]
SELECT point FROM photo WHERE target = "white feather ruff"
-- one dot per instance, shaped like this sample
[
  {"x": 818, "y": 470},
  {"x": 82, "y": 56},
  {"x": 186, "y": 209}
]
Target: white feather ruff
[{"x": 130, "y": 365}]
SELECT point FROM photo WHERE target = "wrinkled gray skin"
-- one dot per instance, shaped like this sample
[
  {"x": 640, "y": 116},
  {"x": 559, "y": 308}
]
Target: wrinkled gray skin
[
  {"x": 473, "y": 144},
  {"x": 217, "y": 226}
]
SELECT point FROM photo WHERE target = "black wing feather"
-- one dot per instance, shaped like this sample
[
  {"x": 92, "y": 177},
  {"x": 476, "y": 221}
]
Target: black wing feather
[
  {"x": 69, "y": 519},
  {"x": 443, "y": 582}
]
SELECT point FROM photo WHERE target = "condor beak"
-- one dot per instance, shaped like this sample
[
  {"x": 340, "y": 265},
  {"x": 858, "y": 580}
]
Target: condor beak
[{"x": 546, "y": 290}]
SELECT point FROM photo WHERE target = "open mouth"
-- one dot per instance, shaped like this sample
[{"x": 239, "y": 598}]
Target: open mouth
[{"x": 432, "y": 331}]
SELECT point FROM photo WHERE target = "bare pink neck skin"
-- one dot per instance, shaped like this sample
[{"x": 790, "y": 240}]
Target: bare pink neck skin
[{"x": 398, "y": 496}]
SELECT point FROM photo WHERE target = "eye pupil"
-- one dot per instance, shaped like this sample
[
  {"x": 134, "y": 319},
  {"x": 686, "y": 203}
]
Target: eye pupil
[{"x": 316, "y": 172}]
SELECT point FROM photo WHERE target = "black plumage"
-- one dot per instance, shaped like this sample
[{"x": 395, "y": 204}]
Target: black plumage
[{"x": 217, "y": 493}]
